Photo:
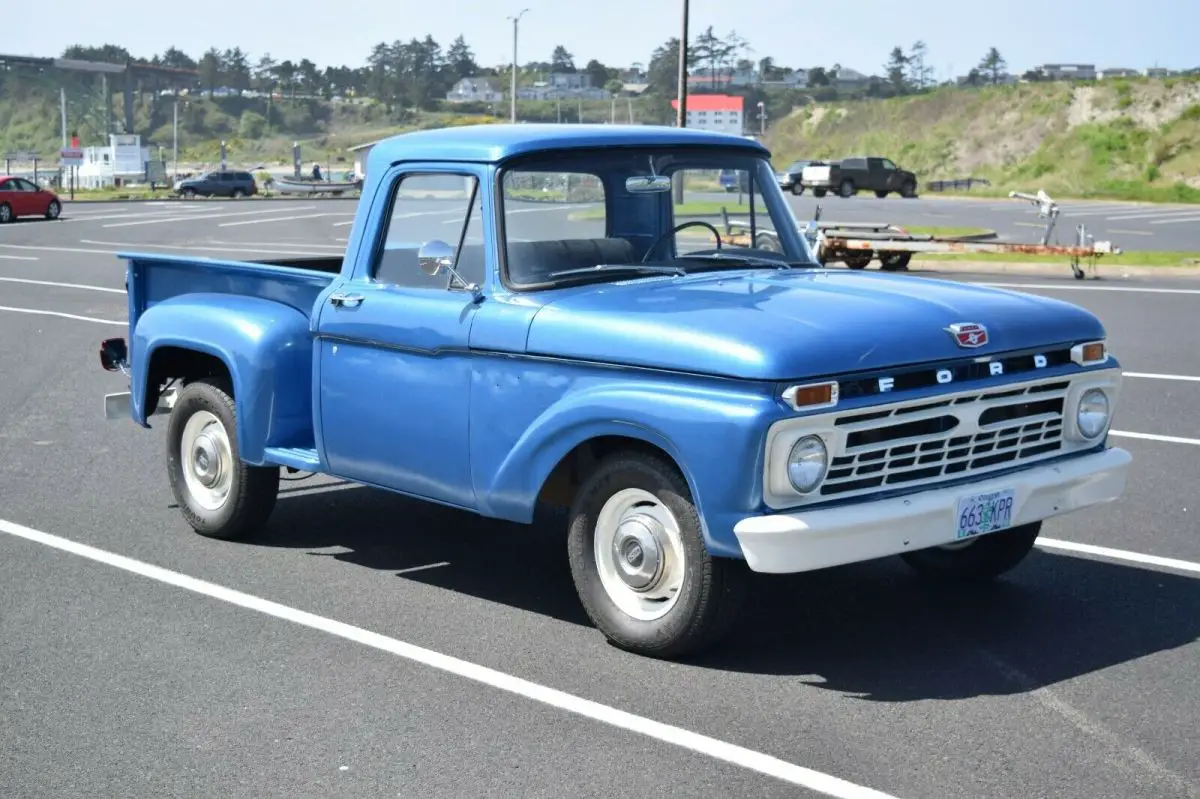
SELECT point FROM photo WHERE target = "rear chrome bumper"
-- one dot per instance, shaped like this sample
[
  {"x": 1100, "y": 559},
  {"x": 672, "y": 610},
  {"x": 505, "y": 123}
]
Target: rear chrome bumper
[
  {"x": 120, "y": 404},
  {"x": 804, "y": 541}
]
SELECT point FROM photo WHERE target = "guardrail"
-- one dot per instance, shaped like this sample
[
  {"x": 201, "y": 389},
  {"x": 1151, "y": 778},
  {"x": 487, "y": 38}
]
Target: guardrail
[{"x": 957, "y": 184}]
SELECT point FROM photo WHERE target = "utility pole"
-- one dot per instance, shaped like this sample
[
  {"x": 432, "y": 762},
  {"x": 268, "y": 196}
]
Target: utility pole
[
  {"x": 681, "y": 112},
  {"x": 513, "y": 99}
]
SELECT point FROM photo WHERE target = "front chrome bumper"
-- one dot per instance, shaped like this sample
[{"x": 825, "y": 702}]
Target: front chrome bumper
[{"x": 817, "y": 539}]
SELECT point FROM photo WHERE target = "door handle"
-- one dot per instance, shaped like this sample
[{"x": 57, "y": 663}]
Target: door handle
[{"x": 346, "y": 300}]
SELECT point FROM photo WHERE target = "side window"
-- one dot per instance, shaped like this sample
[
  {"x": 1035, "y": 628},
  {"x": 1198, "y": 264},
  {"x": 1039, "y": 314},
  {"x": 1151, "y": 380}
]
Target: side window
[
  {"x": 433, "y": 207},
  {"x": 555, "y": 221},
  {"x": 887, "y": 164}
]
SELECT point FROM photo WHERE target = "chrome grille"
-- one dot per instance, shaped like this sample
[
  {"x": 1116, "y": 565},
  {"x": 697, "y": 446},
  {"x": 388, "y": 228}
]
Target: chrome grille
[{"x": 946, "y": 439}]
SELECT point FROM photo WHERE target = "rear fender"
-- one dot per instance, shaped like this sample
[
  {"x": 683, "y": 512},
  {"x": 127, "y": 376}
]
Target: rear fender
[{"x": 265, "y": 346}]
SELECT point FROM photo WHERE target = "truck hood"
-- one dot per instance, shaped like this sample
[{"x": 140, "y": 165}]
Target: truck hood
[{"x": 795, "y": 324}]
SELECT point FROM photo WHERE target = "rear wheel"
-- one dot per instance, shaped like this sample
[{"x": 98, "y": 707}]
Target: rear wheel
[
  {"x": 975, "y": 559},
  {"x": 857, "y": 260},
  {"x": 6, "y": 213},
  {"x": 847, "y": 188},
  {"x": 220, "y": 495},
  {"x": 894, "y": 261},
  {"x": 639, "y": 562},
  {"x": 797, "y": 189},
  {"x": 238, "y": 194}
]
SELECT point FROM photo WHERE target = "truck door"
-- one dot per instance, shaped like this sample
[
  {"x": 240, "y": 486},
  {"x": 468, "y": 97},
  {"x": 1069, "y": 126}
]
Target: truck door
[{"x": 394, "y": 373}]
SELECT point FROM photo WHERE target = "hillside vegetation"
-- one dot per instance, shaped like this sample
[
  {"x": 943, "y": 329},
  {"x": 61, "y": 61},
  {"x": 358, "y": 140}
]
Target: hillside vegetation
[
  {"x": 1133, "y": 139},
  {"x": 255, "y": 130}
]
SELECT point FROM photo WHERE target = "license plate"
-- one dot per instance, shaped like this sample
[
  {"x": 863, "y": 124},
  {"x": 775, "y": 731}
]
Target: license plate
[{"x": 985, "y": 513}]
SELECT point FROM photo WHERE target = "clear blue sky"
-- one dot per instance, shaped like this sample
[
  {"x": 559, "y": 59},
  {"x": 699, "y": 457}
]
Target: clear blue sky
[{"x": 855, "y": 33}]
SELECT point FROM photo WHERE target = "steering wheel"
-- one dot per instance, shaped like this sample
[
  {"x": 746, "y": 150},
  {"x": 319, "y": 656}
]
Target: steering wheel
[{"x": 676, "y": 229}]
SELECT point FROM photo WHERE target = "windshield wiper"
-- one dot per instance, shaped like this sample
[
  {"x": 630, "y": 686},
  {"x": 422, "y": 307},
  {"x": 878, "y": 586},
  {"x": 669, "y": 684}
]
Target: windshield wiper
[
  {"x": 600, "y": 268},
  {"x": 739, "y": 258}
]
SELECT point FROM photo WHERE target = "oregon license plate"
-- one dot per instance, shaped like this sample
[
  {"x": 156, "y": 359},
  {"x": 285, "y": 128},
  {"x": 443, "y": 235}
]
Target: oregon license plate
[{"x": 985, "y": 513}]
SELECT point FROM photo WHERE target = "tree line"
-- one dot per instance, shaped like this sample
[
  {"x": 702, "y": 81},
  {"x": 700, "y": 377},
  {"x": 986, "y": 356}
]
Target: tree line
[{"x": 418, "y": 73}]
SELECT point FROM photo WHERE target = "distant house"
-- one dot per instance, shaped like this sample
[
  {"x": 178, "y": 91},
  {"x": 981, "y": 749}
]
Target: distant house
[
  {"x": 564, "y": 86},
  {"x": 1118, "y": 72},
  {"x": 1067, "y": 71},
  {"x": 723, "y": 113},
  {"x": 1162, "y": 72},
  {"x": 474, "y": 90}
]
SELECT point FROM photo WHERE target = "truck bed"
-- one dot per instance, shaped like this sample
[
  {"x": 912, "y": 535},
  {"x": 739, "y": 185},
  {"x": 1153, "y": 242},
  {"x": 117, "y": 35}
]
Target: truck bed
[{"x": 295, "y": 282}]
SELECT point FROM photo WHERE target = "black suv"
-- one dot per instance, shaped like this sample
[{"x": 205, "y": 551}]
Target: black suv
[{"x": 218, "y": 184}]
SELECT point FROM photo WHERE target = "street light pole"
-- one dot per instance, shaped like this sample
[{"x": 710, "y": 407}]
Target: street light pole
[
  {"x": 681, "y": 112},
  {"x": 513, "y": 99}
]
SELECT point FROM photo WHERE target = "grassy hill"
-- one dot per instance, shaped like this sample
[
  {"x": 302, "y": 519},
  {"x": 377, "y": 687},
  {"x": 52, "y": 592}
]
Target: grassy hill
[{"x": 1133, "y": 139}]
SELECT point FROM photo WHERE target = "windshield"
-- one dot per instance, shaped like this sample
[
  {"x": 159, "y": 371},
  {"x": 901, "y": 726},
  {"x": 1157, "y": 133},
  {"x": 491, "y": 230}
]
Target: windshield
[{"x": 574, "y": 216}]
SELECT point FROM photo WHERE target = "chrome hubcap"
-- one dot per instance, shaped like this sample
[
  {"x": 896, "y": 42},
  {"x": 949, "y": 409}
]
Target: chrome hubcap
[
  {"x": 639, "y": 554},
  {"x": 207, "y": 460}
]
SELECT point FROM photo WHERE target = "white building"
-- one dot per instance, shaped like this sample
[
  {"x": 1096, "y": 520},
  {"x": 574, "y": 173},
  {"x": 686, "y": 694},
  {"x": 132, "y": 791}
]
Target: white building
[
  {"x": 123, "y": 160},
  {"x": 724, "y": 113},
  {"x": 474, "y": 90}
]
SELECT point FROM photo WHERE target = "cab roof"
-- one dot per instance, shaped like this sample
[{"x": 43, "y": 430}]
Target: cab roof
[{"x": 495, "y": 143}]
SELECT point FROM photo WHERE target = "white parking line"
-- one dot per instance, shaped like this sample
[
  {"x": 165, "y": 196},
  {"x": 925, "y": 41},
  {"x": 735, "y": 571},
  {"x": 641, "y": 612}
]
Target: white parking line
[
  {"x": 278, "y": 219},
  {"x": 60, "y": 314},
  {"x": 1195, "y": 442},
  {"x": 1176, "y": 220},
  {"x": 1161, "y": 213},
  {"x": 1066, "y": 287},
  {"x": 189, "y": 218},
  {"x": 18, "y": 257},
  {"x": 195, "y": 249},
  {"x": 1152, "y": 376},
  {"x": 720, "y": 750},
  {"x": 1120, "y": 554},
  {"x": 61, "y": 285}
]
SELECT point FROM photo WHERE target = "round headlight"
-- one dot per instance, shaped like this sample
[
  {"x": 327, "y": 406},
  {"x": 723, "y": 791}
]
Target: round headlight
[
  {"x": 807, "y": 463},
  {"x": 1092, "y": 416}
]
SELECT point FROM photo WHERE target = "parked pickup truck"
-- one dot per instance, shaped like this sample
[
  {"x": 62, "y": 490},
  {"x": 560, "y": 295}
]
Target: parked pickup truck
[
  {"x": 852, "y": 175},
  {"x": 701, "y": 408}
]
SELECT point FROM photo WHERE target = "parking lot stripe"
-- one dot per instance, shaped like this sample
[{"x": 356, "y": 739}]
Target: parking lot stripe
[
  {"x": 61, "y": 285},
  {"x": 19, "y": 257},
  {"x": 1120, "y": 554},
  {"x": 1195, "y": 442},
  {"x": 1152, "y": 376},
  {"x": 190, "y": 217},
  {"x": 278, "y": 219},
  {"x": 1176, "y": 220},
  {"x": 39, "y": 312},
  {"x": 1065, "y": 287},
  {"x": 720, "y": 750}
]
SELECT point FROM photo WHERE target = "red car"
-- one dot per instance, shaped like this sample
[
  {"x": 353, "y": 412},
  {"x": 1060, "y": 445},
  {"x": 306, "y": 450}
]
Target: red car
[{"x": 21, "y": 197}]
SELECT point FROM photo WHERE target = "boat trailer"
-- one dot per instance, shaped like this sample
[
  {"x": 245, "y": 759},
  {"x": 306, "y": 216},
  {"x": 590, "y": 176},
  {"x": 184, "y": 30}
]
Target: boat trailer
[{"x": 856, "y": 244}]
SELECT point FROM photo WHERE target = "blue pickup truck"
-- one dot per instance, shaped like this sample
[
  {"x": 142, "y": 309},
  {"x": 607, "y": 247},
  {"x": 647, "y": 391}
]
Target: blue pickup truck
[{"x": 524, "y": 318}]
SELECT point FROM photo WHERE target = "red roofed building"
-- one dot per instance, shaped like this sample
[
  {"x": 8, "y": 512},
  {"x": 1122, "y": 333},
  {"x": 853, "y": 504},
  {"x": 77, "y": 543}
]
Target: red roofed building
[{"x": 724, "y": 113}]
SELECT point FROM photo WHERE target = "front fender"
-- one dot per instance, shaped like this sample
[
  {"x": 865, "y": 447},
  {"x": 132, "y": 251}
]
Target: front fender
[
  {"x": 265, "y": 346},
  {"x": 715, "y": 437}
]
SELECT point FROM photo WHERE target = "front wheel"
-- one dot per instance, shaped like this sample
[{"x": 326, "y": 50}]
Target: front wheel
[
  {"x": 220, "y": 495},
  {"x": 639, "y": 563},
  {"x": 53, "y": 210},
  {"x": 975, "y": 559}
]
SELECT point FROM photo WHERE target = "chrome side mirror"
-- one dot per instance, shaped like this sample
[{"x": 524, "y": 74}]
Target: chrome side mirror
[{"x": 434, "y": 256}]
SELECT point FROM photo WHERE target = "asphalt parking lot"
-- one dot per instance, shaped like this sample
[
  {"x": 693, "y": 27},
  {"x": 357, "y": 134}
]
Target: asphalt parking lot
[{"x": 446, "y": 655}]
